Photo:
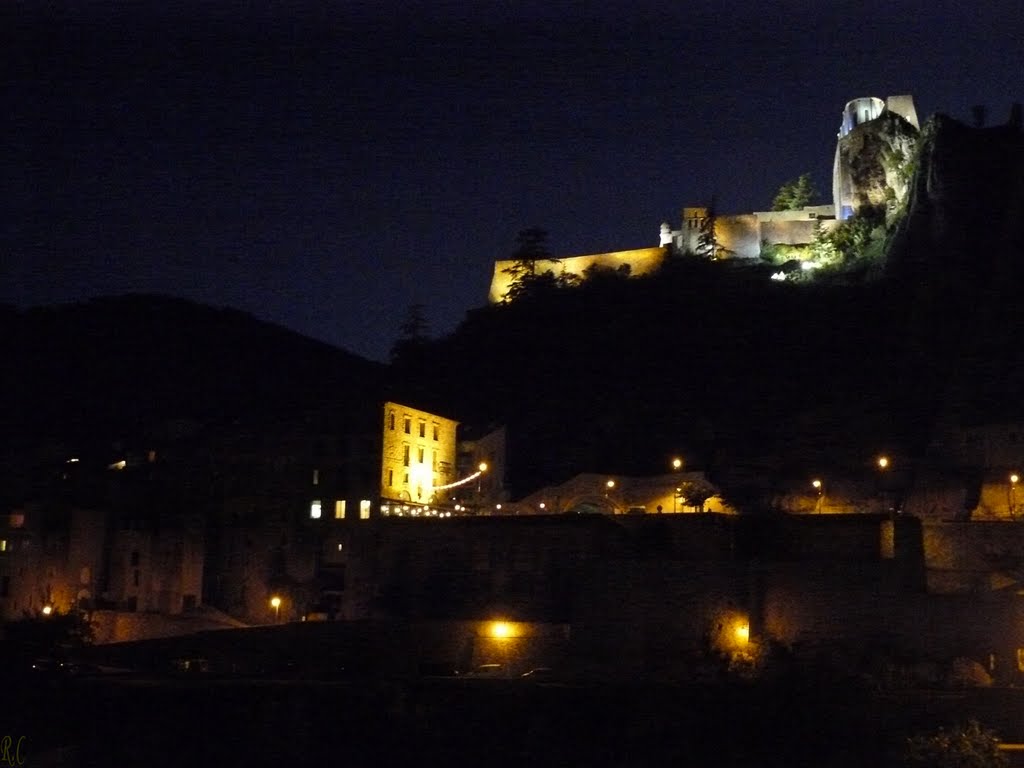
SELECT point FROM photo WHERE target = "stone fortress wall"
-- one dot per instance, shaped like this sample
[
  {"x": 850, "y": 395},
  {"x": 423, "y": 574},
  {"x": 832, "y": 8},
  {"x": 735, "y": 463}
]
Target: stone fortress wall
[{"x": 743, "y": 235}]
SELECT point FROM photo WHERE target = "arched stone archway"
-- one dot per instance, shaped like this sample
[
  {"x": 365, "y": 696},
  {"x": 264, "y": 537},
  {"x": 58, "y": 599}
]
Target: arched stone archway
[{"x": 592, "y": 504}]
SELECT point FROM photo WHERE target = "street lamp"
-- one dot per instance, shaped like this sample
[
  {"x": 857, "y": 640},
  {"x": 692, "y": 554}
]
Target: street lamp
[
  {"x": 482, "y": 467},
  {"x": 275, "y": 603},
  {"x": 820, "y": 488},
  {"x": 677, "y": 464},
  {"x": 1014, "y": 479},
  {"x": 883, "y": 465}
]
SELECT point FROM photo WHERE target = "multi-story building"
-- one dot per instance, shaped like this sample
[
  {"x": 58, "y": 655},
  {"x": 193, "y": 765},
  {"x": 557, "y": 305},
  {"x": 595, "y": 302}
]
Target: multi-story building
[{"x": 418, "y": 456}]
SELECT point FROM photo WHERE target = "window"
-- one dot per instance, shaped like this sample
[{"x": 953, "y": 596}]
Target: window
[
  {"x": 423, "y": 429},
  {"x": 135, "y": 578},
  {"x": 435, "y": 431},
  {"x": 135, "y": 557},
  {"x": 407, "y": 422},
  {"x": 316, "y": 477},
  {"x": 433, "y": 461},
  {"x": 391, "y": 421},
  {"x": 364, "y": 509},
  {"x": 315, "y": 509},
  {"x": 339, "y": 509},
  {"x": 421, "y": 452},
  {"x": 3, "y": 545},
  {"x": 405, "y": 455},
  {"x": 391, "y": 478}
]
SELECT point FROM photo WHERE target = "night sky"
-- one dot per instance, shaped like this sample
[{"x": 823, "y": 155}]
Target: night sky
[{"x": 325, "y": 165}]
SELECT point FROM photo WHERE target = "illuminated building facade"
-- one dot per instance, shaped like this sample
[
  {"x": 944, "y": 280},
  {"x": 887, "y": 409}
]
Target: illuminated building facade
[
  {"x": 743, "y": 235},
  {"x": 418, "y": 455}
]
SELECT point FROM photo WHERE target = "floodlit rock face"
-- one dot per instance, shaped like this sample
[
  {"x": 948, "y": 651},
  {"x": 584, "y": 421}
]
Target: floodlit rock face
[{"x": 872, "y": 162}]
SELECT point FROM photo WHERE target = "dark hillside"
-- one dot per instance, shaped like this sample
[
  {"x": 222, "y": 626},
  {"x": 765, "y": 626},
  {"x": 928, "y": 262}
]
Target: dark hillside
[
  {"x": 719, "y": 364},
  {"x": 731, "y": 369},
  {"x": 121, "y": 368}
]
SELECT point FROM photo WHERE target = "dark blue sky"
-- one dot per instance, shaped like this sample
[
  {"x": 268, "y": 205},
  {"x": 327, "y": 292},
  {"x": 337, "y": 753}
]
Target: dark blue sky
[{"x": 325, "y": 165}]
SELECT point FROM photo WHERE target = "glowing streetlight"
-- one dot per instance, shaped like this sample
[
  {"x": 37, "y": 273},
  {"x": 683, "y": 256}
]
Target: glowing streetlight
[
  {"x": 47, "y": 610},
  {"x": 610, "y": 484},
  {"x": 481, "y": 468},
  {"x": 500, "y": 630},
  {"x": 677, "y": 464},
  {"x": 1014, "y": 479},
  {"x": 275, "y": 603},
  {"x": 819, "y": 486},
  {"x": 883, "y": 462}
]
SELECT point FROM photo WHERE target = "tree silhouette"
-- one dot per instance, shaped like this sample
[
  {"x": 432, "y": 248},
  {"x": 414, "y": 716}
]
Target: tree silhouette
[
  {"x": 795, "y": 194},
  {"x": 527, "y": 278},
  {"x": 413, "y": 337},
  {"x": 707, "y": 244}
]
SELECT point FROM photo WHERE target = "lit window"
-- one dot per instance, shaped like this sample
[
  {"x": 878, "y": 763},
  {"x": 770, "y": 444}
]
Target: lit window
[
  {"x": 421, "y": 453},
  {"x": 316, "y": 477},
  {"x": 408, "y": 425},
  {"x": 405, "y": 455},
  {"x": 364, "y": 509},
  {"x": 423, "y": 429},
  {"x": 3, "y": 545},
  {"x": 315, "y": 509},
  {"x": 339, "y": 509}
]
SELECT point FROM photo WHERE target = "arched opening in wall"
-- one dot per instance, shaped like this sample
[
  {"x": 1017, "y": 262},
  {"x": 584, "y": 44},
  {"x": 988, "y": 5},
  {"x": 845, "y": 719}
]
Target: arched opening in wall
[{"x": 591, "y": 505}]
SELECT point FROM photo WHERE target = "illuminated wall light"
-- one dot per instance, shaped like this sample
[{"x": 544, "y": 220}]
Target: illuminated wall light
[
  {"x": 500, "y": 630},
  {"x": 742, "y": 633}
]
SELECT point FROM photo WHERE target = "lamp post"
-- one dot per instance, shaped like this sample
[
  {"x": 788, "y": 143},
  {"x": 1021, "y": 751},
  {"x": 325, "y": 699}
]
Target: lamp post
[
  {"x": 677, "y": 464},
  {"x": 883, "y": 465},
  {"x": 1014, "y": 479},
  {"x": 820, "y": 488},
  {"x": 275, "y": 603},
  {"x": 481, "y": 468}
]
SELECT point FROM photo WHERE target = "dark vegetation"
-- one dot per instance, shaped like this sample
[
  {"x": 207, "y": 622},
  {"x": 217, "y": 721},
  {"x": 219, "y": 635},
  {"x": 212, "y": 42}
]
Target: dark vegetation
[{"x": 714, "y": 361}]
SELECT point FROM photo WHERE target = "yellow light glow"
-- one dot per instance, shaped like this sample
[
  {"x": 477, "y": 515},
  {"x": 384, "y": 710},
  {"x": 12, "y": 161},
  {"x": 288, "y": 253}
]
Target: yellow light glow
[
  {"x": 610, "y": 484},
  {"x": 500, "y": 630},
  {"x": 483, "y": 466},
  {"x": 47, "y": 610},
  {"x": 118, "y": 465},
  {"x": 1014, "y": 478},
  {"x": 275, "y": 602},
  {"x": 883, "y": 462},
  {"x": 816, "y": 484},
  {"x": 677, "y": 463},
  {"x": 742, "y": 633}
]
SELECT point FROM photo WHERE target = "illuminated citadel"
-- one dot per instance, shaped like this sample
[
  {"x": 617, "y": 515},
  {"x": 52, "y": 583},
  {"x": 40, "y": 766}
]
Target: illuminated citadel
[{"x": 744, "y": 235}]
